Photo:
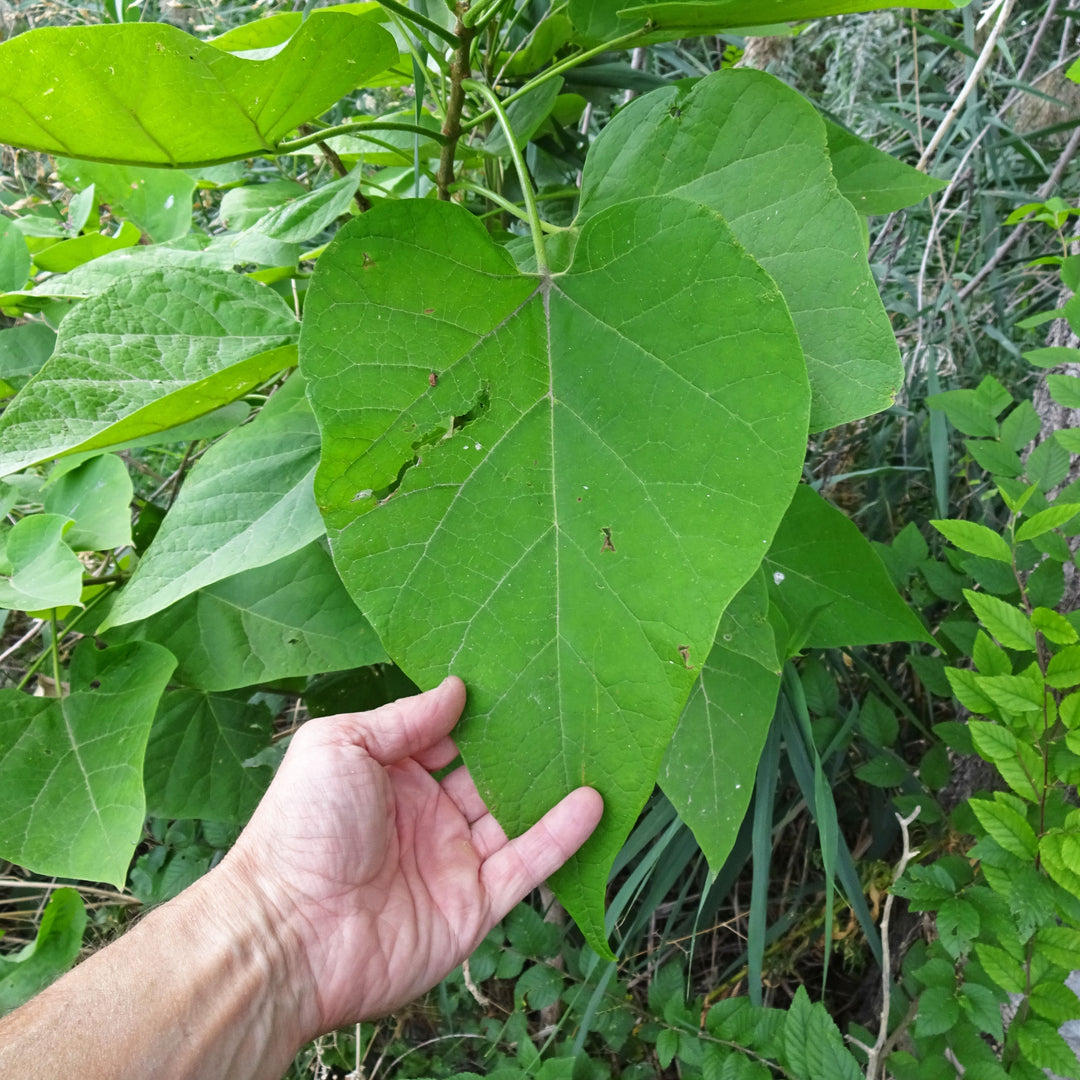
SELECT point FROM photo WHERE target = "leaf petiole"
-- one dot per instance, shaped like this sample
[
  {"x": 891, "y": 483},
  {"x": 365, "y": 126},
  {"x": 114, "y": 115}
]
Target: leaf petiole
[{"x": 533, "y": 214}]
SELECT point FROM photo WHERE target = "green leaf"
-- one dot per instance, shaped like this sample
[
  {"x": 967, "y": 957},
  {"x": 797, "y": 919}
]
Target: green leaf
[
  {"x": 96, "y": 495},
  {"x": 745, "y": 144},
  {"x": 1004, "y": 969},
  {"x": 23, "y": 351},
  {"x": 957, "y": 926},
  {"x": 983, "y": 1010},
  {"x": 989, "y": 658},
  {"x": 43, "y": 572},
  {"x": 1014, "y": 693},
  {"x": 1059, "y": 850},
  {"x": 195, "y": 759},
  {"x": 1020, "y": 426},
  {"x": 883, "y": 770},
  {"x": 878, "y": 722},
  {"x": 154, "y": 350},
  {"x": 1055, "y": 1002},
  {"x": 304, "y": 218},
  {"x": 1009, "y": 828},
  {"x": 1053, "y": 517},
  {"x": 243, "y": 206},
  {"x": 1065, "y": 390},
  {"x": 110, "y": 93},
  {"x": 968, "y": 690},
  {"x": 1043, "y": 1047},
  {"x": 995, "y": 457},
  {"x": 1055, "y": 354},
  {"x": 1060, "y": 945},
  {"x": 745, "y": 628},
  {"x": 1053, "y": 627},
  {"x": 975, "y": 538},
  {"x": 54, "y": 949},
  {"x": 158, "y": 201},
  {"x": 938, "y": 1011},
  {"x": 708, "y": 770},
  {"x": 871, "y": 180},
  {"x": 71, "y": 793},
  {"x": 14, "y": 257},
  {"x": 542, "y": 475},
  {"x": 1063, "y": 671},
  {"x": 813, "y": 1046},
  {"x": 821, "y": 566},
  {"x": 69, "y": 254},
  {"x": 1008, "y": 624},
  {"x": 1048, "y": 464},
  {"x": 1017, "y": 762},
  {"x": 292, "y": 617},
  {"x": 246, "y": 503}
]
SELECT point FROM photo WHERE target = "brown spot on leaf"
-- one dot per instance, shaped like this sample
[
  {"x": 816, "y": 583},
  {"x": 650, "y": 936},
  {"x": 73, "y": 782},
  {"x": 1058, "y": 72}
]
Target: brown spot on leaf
[
  {"x": 684, "y": 652},
  {"x": 607, "y": 545},
  {"x": 432, "y": 379}
]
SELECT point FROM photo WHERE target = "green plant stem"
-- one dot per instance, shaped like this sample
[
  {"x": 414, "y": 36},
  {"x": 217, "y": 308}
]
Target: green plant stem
[
  {"x": 32, "y": 669},
  {"x": 417, "y": 19},
  {"x": 503, "y": 202},
  {"x": 553, "y": 71},
  {"x": 535, "y": 225},
  {"x": 357, "y": 128},
  {"x": 452, "y": 127},
  {"x": 54, "y": 652}
]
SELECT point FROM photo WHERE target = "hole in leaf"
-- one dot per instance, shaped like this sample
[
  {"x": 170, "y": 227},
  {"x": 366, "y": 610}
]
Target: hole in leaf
[{"x": 607, "y": 545}]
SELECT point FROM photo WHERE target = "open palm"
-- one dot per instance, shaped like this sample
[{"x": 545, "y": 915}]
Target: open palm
[{"x": 383, "y": 878}]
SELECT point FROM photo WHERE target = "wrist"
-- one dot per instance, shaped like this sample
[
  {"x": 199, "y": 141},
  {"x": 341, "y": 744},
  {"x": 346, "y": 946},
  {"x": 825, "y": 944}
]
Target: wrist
[{"x": 242, "y": 921}]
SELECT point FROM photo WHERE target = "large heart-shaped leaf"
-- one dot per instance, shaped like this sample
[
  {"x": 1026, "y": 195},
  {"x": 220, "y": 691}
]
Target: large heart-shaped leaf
[
  {"x": 747, "y": 145},
  {"x": 150, "y": 94},
  {"x": 71, "y": 789},
  {"x": 154, "y": 350},
  {"x": 553, "y": 485},
  {"x": 247, "y": 502}
]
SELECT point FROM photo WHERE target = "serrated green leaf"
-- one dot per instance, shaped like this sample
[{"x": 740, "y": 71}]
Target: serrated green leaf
[
  {"x": 246, "y": 503},
  {"x": 967, "y": 688},
  {"x": 54, "y": 949},
  {"x": 957, "y": 926},
  {"x": 195, "y": 757},
  {"x": 1043, "y": 1047},
  {"x": 983, "y": 1009},
  {"x": 975, "y": 538},
  {"x": 871, "y": 180},
  {"x": 96, "y": 495},
  {"x": 731, "y": 706},
  {"x": 884, "y": 770},
  {"x": 1020, "y": 426},
  {"x": 1048, "y": 464},
  {"x": 1053, "y": 517},
  {"x": 1065, "y": 390},
  {"x": 1055, "y": 1002},
  {"x": 1060, "y": 853},
  {"x": 1060, "y": 945},
  {"x": 289, "y": 618},
  {"x": 110, "y": 93},
  {"x": 1054, "y": 354},
  {"x": 43, "y": 572},
  {"x": 1017, "y": 762},
  {"x": 967, "y": 412},
  {"x": 995, "y": 457},
  {"x": 1053, "y": 627},
  {"x": 878, "y": 722},
  {"x": 1063, "y": 671},
  {"x": 539, "y": 987},
  {"x": 1013, "y": 693},
  {"x": 938, "y": 1011},
  {"x": 1006, "y": 971},
  {"x": 711, "y": 145},
  {"x": 527, "y": 476},
  {"x": 71, "y": 793},
  {"x": 1006, "y": 826},
  {"x": 1007, "y": 623},
  {"x": 822, "y": 569},
  {"x": 152, "y": 351},
  {"x": 989, "y": 658}
]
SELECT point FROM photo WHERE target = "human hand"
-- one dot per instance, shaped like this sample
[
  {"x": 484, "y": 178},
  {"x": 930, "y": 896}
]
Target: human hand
[{"x": 379, "y": 879}]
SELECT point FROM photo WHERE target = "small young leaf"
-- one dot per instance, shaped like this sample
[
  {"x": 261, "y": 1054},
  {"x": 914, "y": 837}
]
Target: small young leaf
[
  {"x": 978, "y": 539},
  {"x": 1005, "y": 622},
  {"x": 43, "y": 571},
  {"x": 1051, "y": 518},
  {"x": 1053, "y": 627}
]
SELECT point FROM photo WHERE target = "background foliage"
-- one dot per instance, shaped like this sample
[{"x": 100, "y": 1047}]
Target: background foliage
[{"x": 718, "y": 915}]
